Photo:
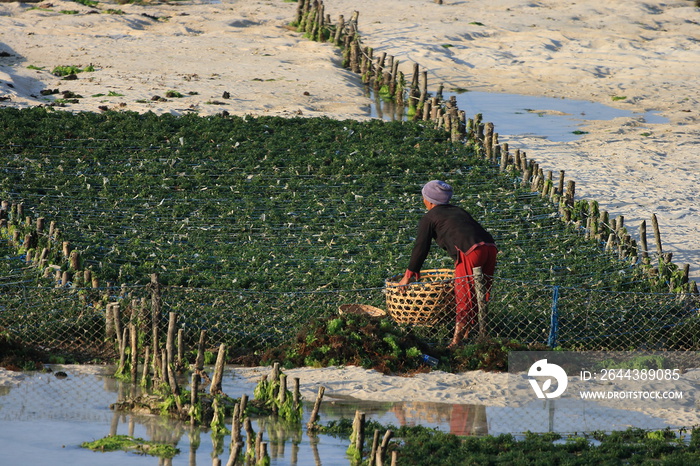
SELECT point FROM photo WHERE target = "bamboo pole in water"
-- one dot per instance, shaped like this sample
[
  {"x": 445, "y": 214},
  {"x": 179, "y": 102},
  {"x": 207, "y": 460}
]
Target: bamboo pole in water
[
  {"x": 194, "y": 396},
  {"x": 215, "y": 387},
  {"x": 358, "y": 428},
  {"x": 375, "y": 447},
  {"x": 311, "y": 425},
  {"x": 199, "y": 362}
]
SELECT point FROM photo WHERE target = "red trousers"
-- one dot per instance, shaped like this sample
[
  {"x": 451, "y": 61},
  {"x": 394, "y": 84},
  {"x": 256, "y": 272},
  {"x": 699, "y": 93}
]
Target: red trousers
[{"x": 480, "y": 255}]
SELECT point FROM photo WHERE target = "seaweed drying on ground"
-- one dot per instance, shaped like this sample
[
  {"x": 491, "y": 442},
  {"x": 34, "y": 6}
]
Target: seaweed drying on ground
[
  {"x": 379, "y": 343},
  {"x": 359, "y": 340}
]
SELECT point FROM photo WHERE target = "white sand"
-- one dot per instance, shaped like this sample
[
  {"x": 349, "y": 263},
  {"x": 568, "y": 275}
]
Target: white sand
[
  {"x": 497, "y": 390},
  {"x": 647, "y": 52}
]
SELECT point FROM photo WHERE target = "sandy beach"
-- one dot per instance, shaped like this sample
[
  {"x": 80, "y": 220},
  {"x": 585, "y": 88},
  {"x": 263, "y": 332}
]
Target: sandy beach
[{"x": 242, "y": 58}]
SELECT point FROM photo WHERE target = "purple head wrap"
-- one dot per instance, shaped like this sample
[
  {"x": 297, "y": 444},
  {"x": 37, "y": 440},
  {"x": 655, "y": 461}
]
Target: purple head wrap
[{"x": 438, "y": 192}]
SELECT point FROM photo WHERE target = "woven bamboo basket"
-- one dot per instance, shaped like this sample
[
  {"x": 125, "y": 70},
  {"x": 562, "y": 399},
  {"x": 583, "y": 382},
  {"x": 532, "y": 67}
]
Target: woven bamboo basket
[{"x": 423, "y": 303}]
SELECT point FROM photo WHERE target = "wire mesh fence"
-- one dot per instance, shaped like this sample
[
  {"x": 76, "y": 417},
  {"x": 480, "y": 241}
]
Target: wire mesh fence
[{"x": 81, "y": 320}]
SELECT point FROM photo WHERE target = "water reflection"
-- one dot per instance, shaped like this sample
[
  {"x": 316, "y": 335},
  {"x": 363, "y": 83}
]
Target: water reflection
[
  {"x": 43, "y": 420},
  {"x": 385, "y": 109},
  {"x": 462, "y": 419}
]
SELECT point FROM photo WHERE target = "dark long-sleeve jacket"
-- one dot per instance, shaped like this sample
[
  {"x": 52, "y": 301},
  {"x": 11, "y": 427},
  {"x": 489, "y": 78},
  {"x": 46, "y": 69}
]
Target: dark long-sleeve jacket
[{"x": 451, "y": 227}]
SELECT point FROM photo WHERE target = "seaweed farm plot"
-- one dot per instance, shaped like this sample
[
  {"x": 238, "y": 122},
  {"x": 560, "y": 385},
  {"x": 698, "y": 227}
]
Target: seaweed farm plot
[
  {"x": 255, "y": 226},
  {"x": 263, "y": 204}
]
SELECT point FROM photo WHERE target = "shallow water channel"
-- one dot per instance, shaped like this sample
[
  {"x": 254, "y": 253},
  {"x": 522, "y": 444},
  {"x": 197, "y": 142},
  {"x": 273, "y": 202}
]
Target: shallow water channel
[
  {"x": 44, "y": 419},
  {"x": 556, "y": 119}
]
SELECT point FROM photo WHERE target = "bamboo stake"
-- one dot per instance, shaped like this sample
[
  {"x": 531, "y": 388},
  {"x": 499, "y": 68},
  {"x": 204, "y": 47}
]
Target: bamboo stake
[
  {"x": 368, "y": 57},
  {"x": 320, "y": 23},
  {"x": 355, "y": 56},
  {"x": 488, "y": 139},
  {"x": 394, "y": 77},
  {"x": 250, "y": 439},
  {"x": 379, "y": 71},
  {"x": 657, "y": 236},
  {"x": 504, "y": 160},
  {"x": 300, "y": 11},
  {"x": 194, "y": 395},
  {"x": 339, "y": 30},
  {"x": 134, "y": 353},
  {"x": 156, "y": 304},
  {"x": 244, "y": 403},
  {"x": 275, "y": 373},
  {"x": 570, "y": 192},
  {"x": 75, "y": 260},
  {"x": 282, "y": 395},
  {"x": 258, "y": 446},
  {"x": 296, "y": 394},
  {"x": 122, "y": 352},
  {"x": 359, "y": 431},
  {"x": 235, "y": 453},
  {"x": 375, "y": 447},
  {"x": 215, "y": 387},
  {"x": 264, "y": 458},
  {"x": 117, "y": 322},
  {"x": 110, "y": 332},
  {"x": 180, "y": 348},
  {"x": 145, "y": 379},
  {"x": 643, "y": 241},
  {"x": 172, "y": 381},
  {"x": 311, "y": 425},
  {"x": 380, "y": 451},
  {"x": 611, "y": 242},
  {"x": 397, "y": 92},
  {"x": 199, "y": 362},
  {"x": 170, "y": 342},
  {"x": 423, "y": 95}
]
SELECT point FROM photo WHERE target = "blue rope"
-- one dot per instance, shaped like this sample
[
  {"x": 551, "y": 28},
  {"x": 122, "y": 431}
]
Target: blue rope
[{"x": 554, "y": 324}]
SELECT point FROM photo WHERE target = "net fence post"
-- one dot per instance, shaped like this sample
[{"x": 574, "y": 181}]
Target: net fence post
[{"x": 156, "y": 305}]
